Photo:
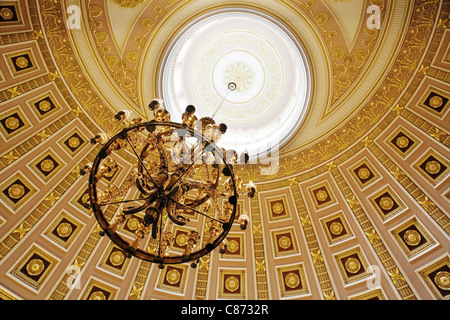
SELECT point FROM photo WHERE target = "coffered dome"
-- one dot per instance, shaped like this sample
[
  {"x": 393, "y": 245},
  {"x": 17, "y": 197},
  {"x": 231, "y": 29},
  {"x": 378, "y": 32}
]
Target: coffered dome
[{"x": 350, "y": 97}]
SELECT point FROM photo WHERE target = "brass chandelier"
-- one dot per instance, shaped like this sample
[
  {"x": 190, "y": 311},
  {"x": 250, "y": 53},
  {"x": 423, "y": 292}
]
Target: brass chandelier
[{"x": 181, "y": 193}]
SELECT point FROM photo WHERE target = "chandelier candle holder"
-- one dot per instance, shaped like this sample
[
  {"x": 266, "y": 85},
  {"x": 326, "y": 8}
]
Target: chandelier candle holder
[{"x": 180, "y": 182}]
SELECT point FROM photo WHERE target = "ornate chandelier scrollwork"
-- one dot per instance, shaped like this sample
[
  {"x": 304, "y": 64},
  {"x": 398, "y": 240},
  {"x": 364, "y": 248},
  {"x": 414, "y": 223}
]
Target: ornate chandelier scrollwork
[{"x": 180, "y": 183}]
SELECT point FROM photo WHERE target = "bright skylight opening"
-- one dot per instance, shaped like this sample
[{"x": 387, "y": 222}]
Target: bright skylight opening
[{"x": 260, "y": 57}]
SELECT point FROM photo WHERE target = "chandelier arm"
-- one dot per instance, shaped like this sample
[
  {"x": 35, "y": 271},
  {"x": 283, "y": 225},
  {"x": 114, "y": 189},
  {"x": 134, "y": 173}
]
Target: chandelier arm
[
  {"x": 177, "y": 222},
  {"x": 141, "y": 164},
  {"x": 199, "y": 212},
  {"x": 119, "y": 202},
  {"x": 202, "y": 186},
  {"x": 140, "y": 187},
  {"x": 197, "y": 203},
  {"x": 154, "y": 225},
  {"x": 198, "y": 185},
  {"x": 192, "y": 185},
  {"x": 160, "y": 233},
  {"x": 216, "y": 203},
  {"x": 162, "y": 156},
  {"x": 140, "y": 160},
  {"x": 210, "y": 173},
  {"x": 136, "y": 209},
  {"x": 190, "y": 166}
]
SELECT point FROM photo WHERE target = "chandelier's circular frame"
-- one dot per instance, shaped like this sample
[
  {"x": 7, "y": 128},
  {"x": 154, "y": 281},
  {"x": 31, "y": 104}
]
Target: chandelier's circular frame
[{"x": 124, "y": 244}]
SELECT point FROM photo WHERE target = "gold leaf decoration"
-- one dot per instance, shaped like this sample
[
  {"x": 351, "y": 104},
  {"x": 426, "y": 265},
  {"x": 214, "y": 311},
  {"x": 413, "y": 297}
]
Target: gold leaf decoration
[
  {"x": 112, "y": 60},
  {"x": 338, "y": 53},
  {"x": 136, "y": 292},
  {"x": 322, "y": 18},
  {"x": 14, "y": 92},
  {"x": 16, "y": 191},
  {"x": 260, "y": 266},
  {"x": 147, "y": 24},
  {"x": 330, "y": 295},
  {"x": 317, "y": 256},
  {"x": 396, "y": 276},
  {"x": 117, "y": 258},
  {"x": 442, "y": 280},
  {"x": 372, "y": 236},
  {"x": 173, "y": 276},
  {"x": 361, "y": 55},
  {"x": 11, "y": 157},
  {"x": 97, "y": 295},
  {"x": 6, "y": 13},
  {"x": 292, "y": 280},
  {"x": 95, "y": 11},
  {"x": 129, "y": 3},
  {"x": 412, "y": 237},
  {"x": 101, "y": 36},
  {"x": 232, "y": 284},
  {"x": 35, "y": 267},
  {"x": 21, "y": 230},
  {"x": 132, "y": 56},
  {"x": 64, "y": 229},
  {"x": 352, "y": 265}
]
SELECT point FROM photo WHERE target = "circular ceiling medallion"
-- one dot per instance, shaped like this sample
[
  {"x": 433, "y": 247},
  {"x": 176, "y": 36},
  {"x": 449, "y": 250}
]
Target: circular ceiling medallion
[
  {"x": 402, "y": 142},
  {"x": 336, "y": 228},
  {"x": 386, "y": 203},
  {"x": 12, "y": 123},
  {"x": 182, "y": 239},
  {"x": 433, "y": 167},
  {"x": 284, "y": 242},
  {"x": 16, "y": 191},
  {"x": 64, "y": 229},
  {"x": 242, "y": 68},
  {"x": 47, "y": 165},
  {"x": 44, "y": 106},
  {"x": 436, "y": 102},
  {"x": 352, "y": 265},
  {"x": 321, "y": 195},
  {"x": 277, "y": 208},
  {"x": 292, "y": 280},
  {"x": 412, "y": 237},
  {"x": 22, "y": 62},
  {"x": 133, "y": 224},
  {"x": 74, "y": 142},
  {"x": 97, "y": 295},
  {"x": 442, "y": 280},
  {"x": 364, "y": 173},
  {"x": 232, "y": 284},
  {"x": 233, "y": 246},
  {"x": 116, "y": 258},
  {"x": 35, "y": 267},
  {"x": 6, "y": 13},
  {"x": 173, "y": 276}
]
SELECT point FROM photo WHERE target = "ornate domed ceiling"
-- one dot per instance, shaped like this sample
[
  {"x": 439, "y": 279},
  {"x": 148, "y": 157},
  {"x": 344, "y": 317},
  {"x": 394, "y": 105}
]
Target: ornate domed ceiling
[{"x": 347, "y": 121}]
